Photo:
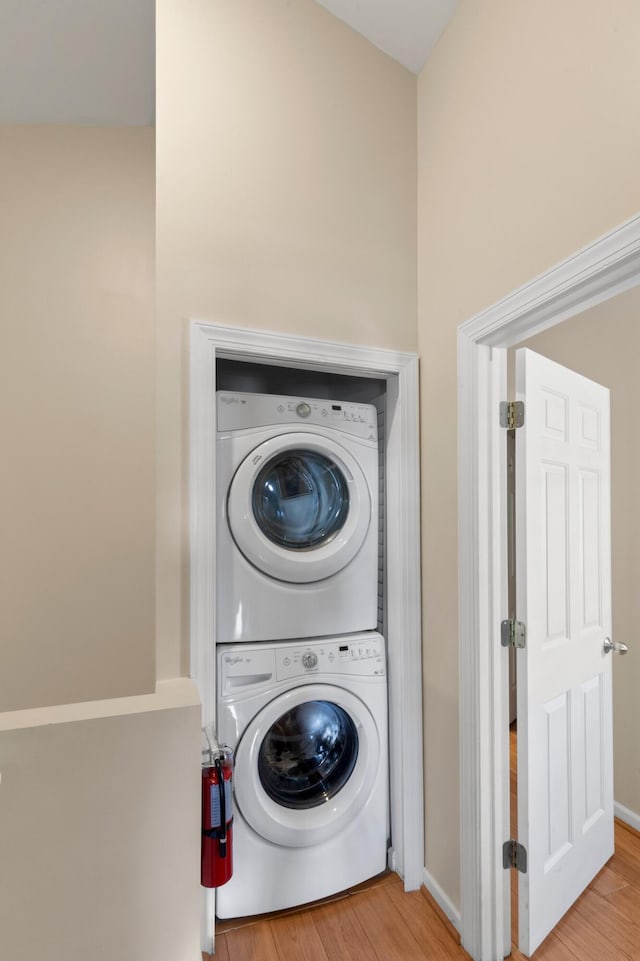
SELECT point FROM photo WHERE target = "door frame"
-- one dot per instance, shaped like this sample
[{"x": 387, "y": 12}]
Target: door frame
[
  {"x": 608, "y": 266},
  {"x": 402, "y": 502}
]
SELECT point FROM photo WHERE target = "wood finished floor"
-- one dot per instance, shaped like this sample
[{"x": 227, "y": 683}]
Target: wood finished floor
[
  {"x": 375, "y": 922},
  {"x": 378, "y": 921}
]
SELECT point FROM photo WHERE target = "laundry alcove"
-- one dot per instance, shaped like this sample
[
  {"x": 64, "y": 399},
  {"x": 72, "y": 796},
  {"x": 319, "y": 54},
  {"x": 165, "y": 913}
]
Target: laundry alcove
[{"x": 255, "y": 361}]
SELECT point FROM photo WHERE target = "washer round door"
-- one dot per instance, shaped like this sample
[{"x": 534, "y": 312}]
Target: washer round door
[
  {"x": 306, "y": 765},
  {"x": 299, "y": 507}
]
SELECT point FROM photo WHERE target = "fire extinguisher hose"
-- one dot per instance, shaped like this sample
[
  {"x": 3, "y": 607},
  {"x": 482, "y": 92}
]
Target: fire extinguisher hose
[{"x": 223, "y": 809}]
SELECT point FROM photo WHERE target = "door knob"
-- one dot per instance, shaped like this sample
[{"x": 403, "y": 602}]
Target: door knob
[{"x": 617, "y": 647}]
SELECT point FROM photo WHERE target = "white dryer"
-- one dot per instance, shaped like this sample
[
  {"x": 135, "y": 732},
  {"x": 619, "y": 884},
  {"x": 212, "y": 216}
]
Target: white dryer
[
  {"x": 308, "y": 724},
  {"x": 297, "y": 517}
]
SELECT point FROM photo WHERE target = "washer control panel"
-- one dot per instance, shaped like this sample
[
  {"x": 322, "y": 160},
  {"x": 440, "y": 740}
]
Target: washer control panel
[
  {"x": 237, "y": 411},
  {"x": 245, "y": 668},
  {"x": 362, "y": 654}
]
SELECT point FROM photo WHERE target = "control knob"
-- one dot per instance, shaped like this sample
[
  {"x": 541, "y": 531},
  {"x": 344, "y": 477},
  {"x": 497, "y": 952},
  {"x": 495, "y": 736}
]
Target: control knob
[
  {"x": 303, "y": 410},
  {"x": 309, "y": 660}
]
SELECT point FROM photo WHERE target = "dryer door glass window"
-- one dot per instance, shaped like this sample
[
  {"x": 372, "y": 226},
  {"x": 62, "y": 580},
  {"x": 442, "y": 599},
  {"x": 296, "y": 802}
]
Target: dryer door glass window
[
  {"x": 300, "y": 499},
  {"x": 308, "y": 755}
]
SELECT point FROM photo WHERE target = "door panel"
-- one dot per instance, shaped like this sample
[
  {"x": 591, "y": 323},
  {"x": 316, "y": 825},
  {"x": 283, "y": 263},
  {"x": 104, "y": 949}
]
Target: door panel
[{"x": 565, "y": 766}]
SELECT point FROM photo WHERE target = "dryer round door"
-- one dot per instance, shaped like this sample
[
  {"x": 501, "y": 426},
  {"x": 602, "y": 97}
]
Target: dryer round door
[
  {"x": 299, "y": 507},
  {"x": 306, "y": 765}
]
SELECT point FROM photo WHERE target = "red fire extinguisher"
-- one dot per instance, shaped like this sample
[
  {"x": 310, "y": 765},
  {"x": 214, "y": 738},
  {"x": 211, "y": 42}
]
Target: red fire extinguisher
[{"x": 217, "y": 817}]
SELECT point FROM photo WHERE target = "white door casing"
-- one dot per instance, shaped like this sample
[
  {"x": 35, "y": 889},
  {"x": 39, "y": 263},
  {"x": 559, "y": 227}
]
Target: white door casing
[
  {"x": 563, "y": 545},
  {"x": 608, "y": 266}
]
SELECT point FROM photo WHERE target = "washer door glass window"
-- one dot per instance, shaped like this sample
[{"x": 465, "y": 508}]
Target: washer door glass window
[
  {"x": 299, "y": 507},
  {"x": 307, "y": 763},
  {"x": 300, "y": 499},
  {"x": 308, "y": 755}
]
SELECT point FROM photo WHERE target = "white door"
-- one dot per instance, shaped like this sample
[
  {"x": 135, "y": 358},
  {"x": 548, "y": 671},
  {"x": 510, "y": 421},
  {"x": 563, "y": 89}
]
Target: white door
[{"x": 565, "y": 750}]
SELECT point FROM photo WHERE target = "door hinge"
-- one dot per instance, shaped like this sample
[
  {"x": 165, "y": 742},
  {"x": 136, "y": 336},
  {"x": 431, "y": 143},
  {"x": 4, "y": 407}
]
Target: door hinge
[
  {"x": 514, "y": 855},
  {"x": 513, "y": 634},
  {"x": 511, "y": 414}
]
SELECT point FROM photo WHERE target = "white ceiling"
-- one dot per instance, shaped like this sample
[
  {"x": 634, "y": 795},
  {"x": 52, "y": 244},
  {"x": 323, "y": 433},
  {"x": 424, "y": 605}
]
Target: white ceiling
[
  {"x": 405, "y": 29},
  {"x": 92, "y": 61}
]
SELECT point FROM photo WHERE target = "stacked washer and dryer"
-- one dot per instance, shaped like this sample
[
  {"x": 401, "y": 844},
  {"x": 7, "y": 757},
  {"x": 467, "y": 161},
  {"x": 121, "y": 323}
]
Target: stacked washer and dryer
[{"x": 301, "y": 670}]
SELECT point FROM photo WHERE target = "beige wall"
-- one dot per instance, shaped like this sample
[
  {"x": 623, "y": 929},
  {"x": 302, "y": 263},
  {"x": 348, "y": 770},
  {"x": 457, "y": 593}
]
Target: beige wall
[
  {"x": 99, "y": 830},
  {"x": 604, "y": 345},
  {"x": 99, "y": 800},
  {"x": 286, "y": 173},
  {"x": 526, "y": 152},
  {"x": 76, "y": 395}
]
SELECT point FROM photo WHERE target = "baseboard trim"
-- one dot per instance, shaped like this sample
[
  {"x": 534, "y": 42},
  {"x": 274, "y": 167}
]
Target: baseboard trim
[
  {"x": 624, "y": 814},
  {"x": 443, "y": 900}
]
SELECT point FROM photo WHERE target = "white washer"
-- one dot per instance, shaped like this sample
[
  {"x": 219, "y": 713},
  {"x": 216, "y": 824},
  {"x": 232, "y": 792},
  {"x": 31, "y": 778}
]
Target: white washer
[
  {"x": 297, "y": 517},
  {"x": 308, "y": 724}
]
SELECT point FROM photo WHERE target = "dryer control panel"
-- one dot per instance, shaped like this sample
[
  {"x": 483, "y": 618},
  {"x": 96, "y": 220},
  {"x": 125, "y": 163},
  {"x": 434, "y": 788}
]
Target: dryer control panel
[{"x": 239, "y": 411}]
